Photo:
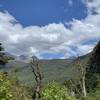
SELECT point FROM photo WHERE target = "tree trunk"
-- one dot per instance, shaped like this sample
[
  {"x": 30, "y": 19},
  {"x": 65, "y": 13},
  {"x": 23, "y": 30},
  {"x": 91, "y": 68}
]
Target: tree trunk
[{"x": 84, "y": 88}]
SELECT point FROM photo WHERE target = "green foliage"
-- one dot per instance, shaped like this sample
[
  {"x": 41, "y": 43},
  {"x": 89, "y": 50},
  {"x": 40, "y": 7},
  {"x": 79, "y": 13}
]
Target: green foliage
[
  {"x": 1, "y": 48},
  {"x": 91, "y": 82},
  {"x": 55, "y": 67},
  {"x": 94, "y": 96},
  {"x": 3, "y": 58},
  {"x": 55, "y": 91},
  {"x": 93, "y": 69},
  {"x": 10, "y": 90}
]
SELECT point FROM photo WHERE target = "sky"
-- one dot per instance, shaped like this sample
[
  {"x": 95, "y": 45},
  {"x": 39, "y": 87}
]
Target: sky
[{"x": 49, "y": 29}]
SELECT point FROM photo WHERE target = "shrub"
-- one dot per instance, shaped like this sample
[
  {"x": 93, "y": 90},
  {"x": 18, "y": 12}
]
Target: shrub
[
  {"x": 55, "y": 91},
  {"x": 10, "y": 90}
]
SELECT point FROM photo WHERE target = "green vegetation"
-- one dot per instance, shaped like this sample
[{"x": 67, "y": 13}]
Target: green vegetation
[
  {"x": 3, "y": 58},
  {"x": 17, "y": 82},
  {"x": 55, "y": 91},
  {"x": 51, "y": 69},
  {"x": 11, "y": 90}
]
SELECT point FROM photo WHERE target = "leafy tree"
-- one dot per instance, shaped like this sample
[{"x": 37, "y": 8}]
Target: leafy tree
[
  {"x": 11, "y": 90},
  {"x": 93, "y": 69},
  {"x": 3, "y": 58},
  {"x": 1, "y": 48},
  {"x": 55, "y": 91}
]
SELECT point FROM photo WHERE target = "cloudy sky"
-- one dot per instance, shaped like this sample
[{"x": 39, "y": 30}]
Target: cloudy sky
[{"x": 49, "y": 28}]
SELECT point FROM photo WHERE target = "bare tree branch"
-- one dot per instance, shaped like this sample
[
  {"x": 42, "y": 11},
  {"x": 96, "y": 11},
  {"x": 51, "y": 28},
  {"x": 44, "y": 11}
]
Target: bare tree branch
[{"x": 38, "y": 77}]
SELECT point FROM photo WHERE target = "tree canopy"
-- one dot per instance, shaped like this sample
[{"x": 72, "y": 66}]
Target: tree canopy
[{"x": 3, "y": 58}]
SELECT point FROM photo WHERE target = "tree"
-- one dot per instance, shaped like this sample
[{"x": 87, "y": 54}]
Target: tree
[
  {"x": 82, "y": 72},
  {"x": 11, "y": 90},
  {"x": 93, "y": 69},
  {"x": 3, "y": 58},
  {"x": 38, "y": 77},
  {"x": 1, "y": 48},
  {"x": 56, "y": 91}
]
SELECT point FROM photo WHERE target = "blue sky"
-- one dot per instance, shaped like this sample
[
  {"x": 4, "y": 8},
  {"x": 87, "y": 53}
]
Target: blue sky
[
  {"x": 43, "y": 12},
  {"x": 41, "y": 27}
]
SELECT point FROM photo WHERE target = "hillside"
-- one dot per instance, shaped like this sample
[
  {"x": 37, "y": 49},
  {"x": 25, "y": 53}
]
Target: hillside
[
  {"x": 55, "y": 69},
  {"x": 51, "y": 69}
]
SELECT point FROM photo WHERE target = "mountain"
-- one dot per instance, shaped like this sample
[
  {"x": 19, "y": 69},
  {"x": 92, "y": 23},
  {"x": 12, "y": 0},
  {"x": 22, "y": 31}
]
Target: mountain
[
  {"x": 55, "y": 69},
  {"x": 9, "y": 55},
  {"x": 23, "y": 58},
  {"x": 95, "y": 59}
]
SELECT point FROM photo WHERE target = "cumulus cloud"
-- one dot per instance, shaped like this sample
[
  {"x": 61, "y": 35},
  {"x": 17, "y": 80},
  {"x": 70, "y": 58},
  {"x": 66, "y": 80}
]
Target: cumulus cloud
[
  {"x": 93, "y": 6},
  {"x": 51, "y": 38}
]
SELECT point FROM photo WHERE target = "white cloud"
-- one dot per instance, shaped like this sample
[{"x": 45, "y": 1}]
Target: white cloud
[
  {"x": 52, "y": 38},
  {"x": 70, "y": 2},
  {"x": 92, "y": 6}
]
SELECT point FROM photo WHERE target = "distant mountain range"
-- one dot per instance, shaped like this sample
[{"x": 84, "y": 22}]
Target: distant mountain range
[{"x": 55, "y": 69}]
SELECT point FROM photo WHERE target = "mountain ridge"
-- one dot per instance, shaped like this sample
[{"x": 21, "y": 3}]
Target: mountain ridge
[{"x": 54, "y": 69}]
